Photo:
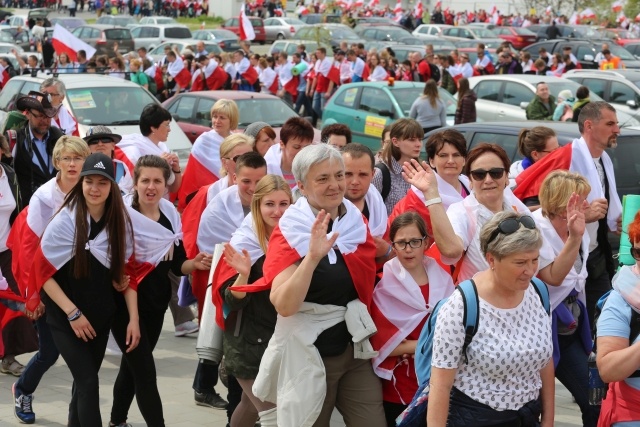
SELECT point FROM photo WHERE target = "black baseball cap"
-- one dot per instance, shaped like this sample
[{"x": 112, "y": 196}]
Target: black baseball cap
[{"x": 98, "y": 164}]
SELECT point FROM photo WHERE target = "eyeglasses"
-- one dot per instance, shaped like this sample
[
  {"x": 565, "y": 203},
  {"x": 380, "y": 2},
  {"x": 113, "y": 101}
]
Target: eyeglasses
[
  {"x": 635, "y": 253},
  {"x": 402, "y": 245},
  {"x": 54, "y": 94},
  {"x": 511, "y": 225},
  {"x": 100, "y": 141},
  {"x": 481, "y": 174},
  {"x": 69, "y": 160},
  {"x": 234, "y": 159}
]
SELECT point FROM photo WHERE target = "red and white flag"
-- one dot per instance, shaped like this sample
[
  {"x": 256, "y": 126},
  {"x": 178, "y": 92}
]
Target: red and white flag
[
  {"x": 617, "y": 6},
  {"x": 548, "y": 10},
  {"x": 398, "y": 8},
  {"x": 66, "y": 122},
  {"x": 373, "y": 3},
  {"x": 587, "y": 14},
  {"x": 135, "y": 145},
  {"x": 179, "y": 72},
  {"x": 4, "y": 76},
  {"x": 438, "y": 4},
  {"x": 574, "y": 19},
  {"x": 358, "y": 3},
  {"x": 246, "y": 28},
  {"x": 418, "y": 10},
  {"x": 203, "y": 166},
  {"x": 64, "y": 41},
  {"x": 289, "y": 242},
  {"x": 637, "y": 18},
  {"x": 301, "y": 10},
  {"x": 220, "y": 219}
]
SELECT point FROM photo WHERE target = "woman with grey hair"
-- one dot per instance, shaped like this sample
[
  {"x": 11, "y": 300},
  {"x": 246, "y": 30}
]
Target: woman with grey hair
[
  {"x": 314, "y": 276},
  {"x": 64, "y": 120},
  {"x": 508, "y": 377}
]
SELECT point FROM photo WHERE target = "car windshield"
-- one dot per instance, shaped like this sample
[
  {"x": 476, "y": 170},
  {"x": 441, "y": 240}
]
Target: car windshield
[
  {"x": 165, "y": 21},
  {"x": 586, "y": 32},
  {"x": 622, "y": 53},
  {"x": 272, "y": 111},
  {"x": 223, "y": 34},
  {"x": 109, "y": 106},
  {"x": 556, "y": 87},
  {"x": 343, "y": 33},
  {"x": 483, "y": 33},
  {"x": 524, "y": 31},
  {"x": 406, "y": 96},
  {"x": 293, "y": 21},
  {"x": 396, "y": 34}
]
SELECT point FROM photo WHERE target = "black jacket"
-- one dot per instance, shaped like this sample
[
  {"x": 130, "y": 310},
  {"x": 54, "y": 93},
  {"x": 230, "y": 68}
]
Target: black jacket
[{"x": 29, "y": 175}]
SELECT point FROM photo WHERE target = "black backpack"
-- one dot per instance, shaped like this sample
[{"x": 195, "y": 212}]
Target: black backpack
[
  {"x": 435, "y": 72},
  {"x": 386, "y": 180}
]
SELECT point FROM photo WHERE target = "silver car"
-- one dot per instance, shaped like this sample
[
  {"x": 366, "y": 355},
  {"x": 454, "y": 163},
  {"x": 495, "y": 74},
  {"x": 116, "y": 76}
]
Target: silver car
[
  {"x": 151, "y": 35},
  {"x": 281, "y": 28}
]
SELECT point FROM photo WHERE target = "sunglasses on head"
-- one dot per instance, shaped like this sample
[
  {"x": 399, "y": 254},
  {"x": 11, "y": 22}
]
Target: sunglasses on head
[
  {"x": 635, "y": 253},
  {"x": 481, "y": 174},
  {"x": 511, "y": 225}
]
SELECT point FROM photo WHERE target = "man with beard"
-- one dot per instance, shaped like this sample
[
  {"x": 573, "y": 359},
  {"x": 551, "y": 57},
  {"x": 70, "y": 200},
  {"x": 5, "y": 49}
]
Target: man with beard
[{"x": 599, "y": 128}]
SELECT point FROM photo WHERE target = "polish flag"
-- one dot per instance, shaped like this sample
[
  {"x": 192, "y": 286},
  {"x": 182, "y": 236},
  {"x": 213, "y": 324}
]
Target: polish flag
[
  {"x": 616, "y": 6},
  {"x": 574, "y": 19},
  {"x": 289, "y": 243},
  {"x": 398, "y": 8},
  {"x": 358, "y": 3},
  {"x": 417, "y": 10},
  {"x": 179, "y": 72},
  {"x": 64, "y": 41},
  {"x": 197, "y": 81},
  {"x": 373, "y": 3},
  {"x": 548, "y": 10},
  {"x": 215, "y": 75},
  {"x": 66, "y": 122},
  {"x": 399, "y": 308},
  {"x": 203, "y": 166},
  {"x": 301, "y": 10},
  {"x": 246, "y": 28},
  {"x": 588, "y": 14},
  {"x": 4, "y": 76},
  {"x": 135, "y": 145},
  {"x": 438, "y": 4},
  {"x": 637, "y": 18}
]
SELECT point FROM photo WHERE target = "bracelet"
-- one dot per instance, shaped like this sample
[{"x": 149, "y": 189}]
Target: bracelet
[
  {"x": 388, "y": 251},
  {"x": 75, "y": 316},
  {"x": 178, "y": 171},
  {"x": 432, "y": 201}
]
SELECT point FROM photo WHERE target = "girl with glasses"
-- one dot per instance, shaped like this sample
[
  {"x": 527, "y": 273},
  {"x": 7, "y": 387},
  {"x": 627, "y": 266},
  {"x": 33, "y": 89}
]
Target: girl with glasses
[
  {"x": 456, "y": 228},
  {"x": 412, "y": 284}
]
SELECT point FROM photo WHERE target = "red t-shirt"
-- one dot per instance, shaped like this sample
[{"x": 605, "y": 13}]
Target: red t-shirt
[
  {"x": 424, "y": 69},
  {"x": 406, "y": 383}
]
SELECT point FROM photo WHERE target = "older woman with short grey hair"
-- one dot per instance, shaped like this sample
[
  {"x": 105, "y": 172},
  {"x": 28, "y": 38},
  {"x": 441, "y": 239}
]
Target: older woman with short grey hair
[
  {"x": 508, "y": 377},
  {"x": 321, "y": 257}
]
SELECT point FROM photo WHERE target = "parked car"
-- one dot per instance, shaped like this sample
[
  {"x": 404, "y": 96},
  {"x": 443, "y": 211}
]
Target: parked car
[
  {"x": 633, "y": 48},
  {"x": 518, "y": 37},
  {"x": 331, "y": 34},
  {"x": 104, "y": 37},
  {"x": 620, "y": 88},
  {"x": 385, "y": 33},
  {"x": 9, "y": 47},
  {"x": 289, "y": 46},
  {"x": 505, "y": 97},
  {"x": 27, "y": 20},
  {"x": 367, "y": 107},
  {"x": 480, "y": 34},
  {"x": 281, "y": 28},
  {"x": 183, "y": 44},
  {"x": 625, "y": 157},
  {"x": 233, "y": 25},
  {"x": 375, "y": 20},
  {"x": 117, "y": 20},
  {"x": 430, "y": 30},
  {"x": 95, "y": 99},
  {"x": 320, "y": 18},
  {"x": 193, "y": 110},
  {"x": 157, "y": 20},
  {"x": 151, "y": 35},
  {"x": 620, "y": 36},
  {"x": 22, "y": 38},
  {"x": 583, "y": 32},
  {"x": 584, "y": 50},
  {"x": 68, "y": 22},
  {"x": 228, "y": 41}
]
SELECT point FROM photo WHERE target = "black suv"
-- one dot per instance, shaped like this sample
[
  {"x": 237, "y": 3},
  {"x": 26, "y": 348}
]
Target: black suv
[{"x": 584, "y": 50}]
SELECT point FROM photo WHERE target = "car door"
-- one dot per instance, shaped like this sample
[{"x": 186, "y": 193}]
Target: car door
[
  {"x": 487, "y": 105},
  {"x": 620, "y": 93},
  {"x": 270, "y": 28},
  {"x": 375, "y": 110},
  {"x": 597, "y": 86},
  {"x": 513, "y": 95},
  {"x": 182, "y": 109}
]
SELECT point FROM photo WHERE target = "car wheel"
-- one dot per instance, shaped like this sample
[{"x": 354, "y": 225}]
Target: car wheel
[{"x": 280, "y": 37}]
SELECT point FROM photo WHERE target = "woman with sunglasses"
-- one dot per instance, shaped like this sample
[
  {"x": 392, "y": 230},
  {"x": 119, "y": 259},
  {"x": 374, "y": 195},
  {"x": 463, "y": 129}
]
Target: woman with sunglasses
[
  {"x": 506, "y": 378},
  {"x": 533, "y": 145},
  {"x": 412, "y": 284},
  {"x": 618, "y": 356},
  {"x": 562, "y": 198},
  {"x": 456, "y": 228},
  {"x": 204, "y": 166}
]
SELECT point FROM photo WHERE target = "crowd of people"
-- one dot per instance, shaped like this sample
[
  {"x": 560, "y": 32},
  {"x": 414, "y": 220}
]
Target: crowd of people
[{"x": 332, "y": 258}]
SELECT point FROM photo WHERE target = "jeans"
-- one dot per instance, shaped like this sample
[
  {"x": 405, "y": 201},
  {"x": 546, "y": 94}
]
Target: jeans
[
  {"x": 206, "y": 377},
  {"x": 572, "y": 371},
  {"x": 41, "y": 361},
  {"x": 303, "y": 101},
  {"x": 318, "y": 104}
]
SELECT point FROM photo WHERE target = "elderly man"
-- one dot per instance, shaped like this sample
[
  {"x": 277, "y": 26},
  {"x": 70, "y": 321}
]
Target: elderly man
[
  {"x": 64, "y": 120},
  {"x": 543, "y": 104},
  {"x": 200, "y": 49}
]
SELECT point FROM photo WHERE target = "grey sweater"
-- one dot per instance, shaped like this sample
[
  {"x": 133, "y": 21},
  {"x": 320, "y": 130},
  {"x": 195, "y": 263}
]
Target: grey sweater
[{"x": 426, "y": 115}]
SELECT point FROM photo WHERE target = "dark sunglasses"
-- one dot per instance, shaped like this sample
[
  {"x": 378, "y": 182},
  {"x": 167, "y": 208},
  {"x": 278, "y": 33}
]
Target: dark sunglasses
[
  {"x": 98, "y": 141},
  {"x": 481, "y": 174},
  {"x": 635, "y": 253},
  {"x": 234, "y": 158},
  {"x": 511, "y": 225}
]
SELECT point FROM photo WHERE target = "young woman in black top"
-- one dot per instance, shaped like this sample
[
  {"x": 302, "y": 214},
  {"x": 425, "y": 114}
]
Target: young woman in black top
[
  {"x": 81, "y": 257},
  {"x": 137, "y": 374}
]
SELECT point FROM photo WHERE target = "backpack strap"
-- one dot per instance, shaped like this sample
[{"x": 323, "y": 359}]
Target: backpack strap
[
  {"x": 471, "y": 314},
  {"x": 386, "y": 180},
  {"x": 543, "y": 293}
]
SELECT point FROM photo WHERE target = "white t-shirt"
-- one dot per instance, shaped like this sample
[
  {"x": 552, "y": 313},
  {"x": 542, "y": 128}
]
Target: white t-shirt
[
  {"x": 7, "y": 206},
  {"x": 505, "y": 356}
]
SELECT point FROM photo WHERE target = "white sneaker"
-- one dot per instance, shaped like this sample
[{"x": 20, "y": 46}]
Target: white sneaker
[{"x": 186, "y": 328}]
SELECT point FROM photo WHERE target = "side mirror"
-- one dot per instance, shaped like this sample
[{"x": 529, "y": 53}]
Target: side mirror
[
  {"x": 524, "y": 105},
  {"x": 588, "y": 57},
  {"x": 632, "y": 104}
]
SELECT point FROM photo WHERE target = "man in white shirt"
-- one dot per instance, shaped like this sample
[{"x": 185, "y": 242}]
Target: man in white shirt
[
  {"x": 286, "y": 77},
  {"x": 357, "y": 66}
]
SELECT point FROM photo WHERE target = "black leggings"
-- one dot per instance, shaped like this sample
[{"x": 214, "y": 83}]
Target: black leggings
[
  {"x": 84, "y": 360},
  {"x": 137, "y": 375}
]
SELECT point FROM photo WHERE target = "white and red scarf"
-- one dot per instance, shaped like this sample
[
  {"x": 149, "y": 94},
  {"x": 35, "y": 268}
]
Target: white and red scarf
[
  {"x": 377, "y": 212},
  {"x": 399, "y": 307},
  {"x": 220, "y": 219},
  {"x": 66, "y": 122},
  {"x": 134, "y": 146},
  {"x": 179, "y": 72}
]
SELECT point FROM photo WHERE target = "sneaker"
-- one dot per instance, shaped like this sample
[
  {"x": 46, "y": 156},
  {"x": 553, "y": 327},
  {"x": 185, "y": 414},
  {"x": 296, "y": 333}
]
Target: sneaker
[
  {"x": 120, "y": 425},
  {"x": 211, "y": 400},
  {"x": 14, "y": 368},
  {"x": 22, "y": 408},
  {"x": 187, "y": 328}
]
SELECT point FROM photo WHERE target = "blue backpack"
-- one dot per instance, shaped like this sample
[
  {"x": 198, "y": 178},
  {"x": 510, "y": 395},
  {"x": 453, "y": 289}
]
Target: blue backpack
[{"x": 416, "y": 413}]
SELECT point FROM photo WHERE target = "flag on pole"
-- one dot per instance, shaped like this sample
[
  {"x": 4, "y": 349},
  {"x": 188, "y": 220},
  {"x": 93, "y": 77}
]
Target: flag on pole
[
  {"x": 588, "y": 14},
  {"x": 438, "y": 4},
  {"x": 373, "y": 3},
  {"x": 246, "y": 29},
  {"x": 616, "y": 6},
  {"x": 64, "y": 41},
  {"x": 417, "y": 10},
  {"x": 574, "y": 19},
  {"x": 398, "y": 7},
  {"x": 548, "y": 10}
]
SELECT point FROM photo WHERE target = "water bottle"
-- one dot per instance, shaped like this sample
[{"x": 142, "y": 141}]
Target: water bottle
[{"x": 597, "y": 388}]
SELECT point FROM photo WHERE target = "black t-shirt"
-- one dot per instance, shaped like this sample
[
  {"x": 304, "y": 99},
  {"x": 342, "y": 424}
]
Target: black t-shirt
[
  {"x": 94, "y": 295},
  {"x": 332, "y": 284},
  {"x": 154, "y": 292}
]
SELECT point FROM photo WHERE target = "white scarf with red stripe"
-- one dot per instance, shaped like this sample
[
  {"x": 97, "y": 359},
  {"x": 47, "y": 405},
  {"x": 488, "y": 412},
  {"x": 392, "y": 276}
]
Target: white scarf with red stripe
[
  {"x": 220, "y": 219},
  {"x": 377, "y": 212},
  {"x": 134, "y": 146},
  {"x": 66, "y": 122},
  {"x": 203, "y": 167},
  {"x": 399, "y": 307},
  {"x": 273, "y": 157}
]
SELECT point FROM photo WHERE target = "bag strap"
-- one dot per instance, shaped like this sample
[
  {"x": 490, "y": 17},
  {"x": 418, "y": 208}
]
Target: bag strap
[
  {"x": 471, "y": 314},
  {"x": 543, "y": 292},
  {"x": 386, "y": 180}
]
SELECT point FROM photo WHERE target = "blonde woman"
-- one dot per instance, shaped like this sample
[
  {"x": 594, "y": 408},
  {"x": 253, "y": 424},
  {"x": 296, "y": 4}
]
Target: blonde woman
[
  {"x": 429, "y": 110},
  {"x": 137, "y": 76}
]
